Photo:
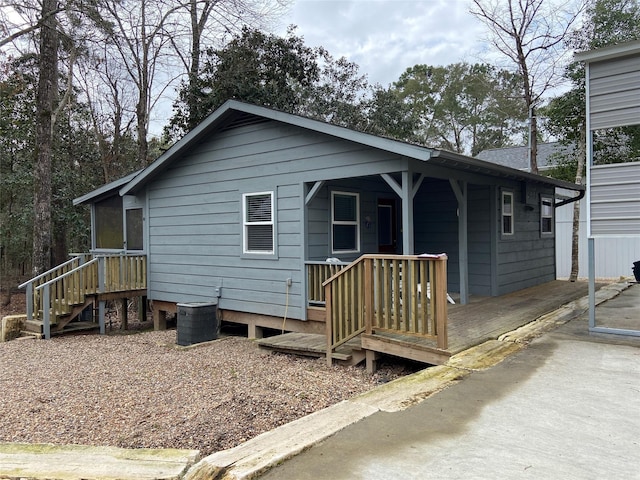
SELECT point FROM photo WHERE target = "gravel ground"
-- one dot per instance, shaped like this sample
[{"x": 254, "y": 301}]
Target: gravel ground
[{"x": 138, "y": 390}]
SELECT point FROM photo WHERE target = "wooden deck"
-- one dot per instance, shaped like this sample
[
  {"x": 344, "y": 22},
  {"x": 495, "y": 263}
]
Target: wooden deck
[
  {"x": 484, "y": 318},
  {"x": 487, "y": 318}
]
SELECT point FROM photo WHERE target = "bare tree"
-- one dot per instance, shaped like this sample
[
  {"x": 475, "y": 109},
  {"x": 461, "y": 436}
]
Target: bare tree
[
  {"x": 109, "y": 95},
  {"x": 531, "y": 34},
  {"x": 22, "y": 19},
  {"x": 148, "y": 36},
  {"x": 211, "y": 22},
  {"x": 138, "y": 33}
]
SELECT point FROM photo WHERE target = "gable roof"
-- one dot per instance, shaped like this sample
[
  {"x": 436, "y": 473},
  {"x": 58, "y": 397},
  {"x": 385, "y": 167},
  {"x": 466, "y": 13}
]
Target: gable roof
[
  {"x": 518, "y": 157},
  {"x": 234, "y": 113}
]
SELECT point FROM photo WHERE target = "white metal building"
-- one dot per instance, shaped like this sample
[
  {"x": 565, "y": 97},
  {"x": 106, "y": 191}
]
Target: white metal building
[{"x": 613, "y": 191}]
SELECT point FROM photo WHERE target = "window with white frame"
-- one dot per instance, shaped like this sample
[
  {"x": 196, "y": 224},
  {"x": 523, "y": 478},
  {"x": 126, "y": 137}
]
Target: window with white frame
[
  {"x": 546, "y": 215},
  {"x": 258, "y": 224},
  {"x": 345, "y": 222},
  {"x": 507, "y": 213}
]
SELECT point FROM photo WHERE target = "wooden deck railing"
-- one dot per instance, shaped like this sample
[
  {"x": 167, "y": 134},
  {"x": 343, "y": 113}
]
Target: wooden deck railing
[
  {"x": 57, "y": 292},
  {"x": 317, "y": 274},
  {"x": 404, "y": 294}
]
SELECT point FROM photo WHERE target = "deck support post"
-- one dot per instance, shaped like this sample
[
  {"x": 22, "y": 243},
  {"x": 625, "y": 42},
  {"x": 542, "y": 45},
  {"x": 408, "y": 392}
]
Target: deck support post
[
  {"x": 124, "y": 320},
  {"x": 371, "y": 359},
  {"x": 142, "y": 309},
  {"x": 159, "y": 319},
  {"x": 101, "y": 311},
  {"x": 254, "y": 331}
]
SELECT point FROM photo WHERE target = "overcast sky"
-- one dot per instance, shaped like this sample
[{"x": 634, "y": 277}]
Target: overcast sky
[{"x": 385, "y": 37}]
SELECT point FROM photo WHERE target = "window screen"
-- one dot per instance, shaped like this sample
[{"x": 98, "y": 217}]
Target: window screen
[
  {"x": 546, "y": 215},
  {"x": 108, "y": 223},
  {"x": 507, "y": 213},
  {"x": 258, "y": 223},
  {"x": 134, "y": 229}
]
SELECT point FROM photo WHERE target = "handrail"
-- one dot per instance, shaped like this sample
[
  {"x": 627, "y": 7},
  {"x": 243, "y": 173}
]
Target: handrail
[
  {"x": 403, "y": 294},
  {"x": 53, "y": 272},
  {"x": 48, "y": 272},
  {"x": 69, "y": 273}
]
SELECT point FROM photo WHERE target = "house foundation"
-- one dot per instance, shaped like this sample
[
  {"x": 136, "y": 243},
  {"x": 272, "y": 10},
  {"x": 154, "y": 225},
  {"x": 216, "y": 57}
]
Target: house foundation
[{"x": 255, "y": 323}]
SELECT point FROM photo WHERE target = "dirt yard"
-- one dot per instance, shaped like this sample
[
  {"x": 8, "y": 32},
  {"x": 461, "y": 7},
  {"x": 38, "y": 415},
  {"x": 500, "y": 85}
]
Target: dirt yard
[{"x": 136, "y": 389}]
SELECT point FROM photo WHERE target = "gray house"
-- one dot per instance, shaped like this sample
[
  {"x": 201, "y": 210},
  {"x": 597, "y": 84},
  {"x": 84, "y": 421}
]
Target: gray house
[{"x": 241, "y": 209}]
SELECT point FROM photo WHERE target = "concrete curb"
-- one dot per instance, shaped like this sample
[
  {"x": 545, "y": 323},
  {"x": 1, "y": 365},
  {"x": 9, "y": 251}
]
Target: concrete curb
[
  {"x": 254, "y": 457},
  {"x": 72, "y": 462},
  {"x": 270, "y": 448}
]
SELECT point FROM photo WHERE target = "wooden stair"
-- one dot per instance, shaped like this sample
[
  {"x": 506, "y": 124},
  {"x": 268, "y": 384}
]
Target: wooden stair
[
  {"x": 314, "y": 345},
  {"x": 60, "y": 319}
]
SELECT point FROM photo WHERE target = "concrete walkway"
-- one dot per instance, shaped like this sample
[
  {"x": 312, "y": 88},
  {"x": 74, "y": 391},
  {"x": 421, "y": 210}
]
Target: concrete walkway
[{"x": 567, "y": 406}]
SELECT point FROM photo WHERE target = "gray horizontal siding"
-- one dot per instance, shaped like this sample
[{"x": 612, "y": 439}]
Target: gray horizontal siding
[
  {"x": 526, "y": 258},
  {"x": 615, "y": 199},
  {"x": 319, "y": 216},
  {"x": 195, "y": 216},
  {"x": 614, "y": 93},
  {"x": 479, "y": 239},
  {"x": 436, "y": 225}
]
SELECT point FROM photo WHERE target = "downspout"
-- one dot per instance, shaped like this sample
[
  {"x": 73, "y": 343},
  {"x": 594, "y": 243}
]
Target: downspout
[{"x": 580, "y": 196}]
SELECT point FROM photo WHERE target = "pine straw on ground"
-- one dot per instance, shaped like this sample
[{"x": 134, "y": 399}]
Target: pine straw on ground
[{"x": 140, "y": 390}]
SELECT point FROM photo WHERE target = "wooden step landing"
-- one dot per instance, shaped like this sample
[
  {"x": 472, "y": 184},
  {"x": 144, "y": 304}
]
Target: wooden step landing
[
  {"x": 36, "y": 327},
  {"x": 313, "y": 345},
  {"x": 406, "y": 346}
]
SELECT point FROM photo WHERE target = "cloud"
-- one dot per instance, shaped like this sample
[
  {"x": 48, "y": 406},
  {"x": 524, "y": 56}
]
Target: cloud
[{"x": 386, "y": 37}]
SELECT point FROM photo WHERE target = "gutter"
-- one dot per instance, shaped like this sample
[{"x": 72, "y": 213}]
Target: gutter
[
  {"x": 495, "y": 169},
  {"x": 580, "y": 196}
]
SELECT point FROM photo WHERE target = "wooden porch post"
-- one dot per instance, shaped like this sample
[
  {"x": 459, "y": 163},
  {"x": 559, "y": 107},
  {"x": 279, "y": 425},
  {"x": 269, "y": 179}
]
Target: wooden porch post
[
  {"x": 29, "y": 298},
  {"x": 407, "y": 213},
  {"x": 101, "y": 289},
  {"x": 371, "y": 357},
  {"x": 460, "y": 190},
  {"x": 440, "y": 297},
  {"x": 329, "y": 322},
  {"x": 46, "y": 311}
]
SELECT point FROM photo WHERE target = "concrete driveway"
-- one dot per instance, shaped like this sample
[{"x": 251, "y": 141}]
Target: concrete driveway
[{"x": 567, "y": 406}]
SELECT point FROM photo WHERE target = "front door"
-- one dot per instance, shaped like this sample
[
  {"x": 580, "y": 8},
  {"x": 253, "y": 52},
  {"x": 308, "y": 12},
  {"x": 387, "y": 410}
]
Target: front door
[{"x": 387, "y": 226}]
